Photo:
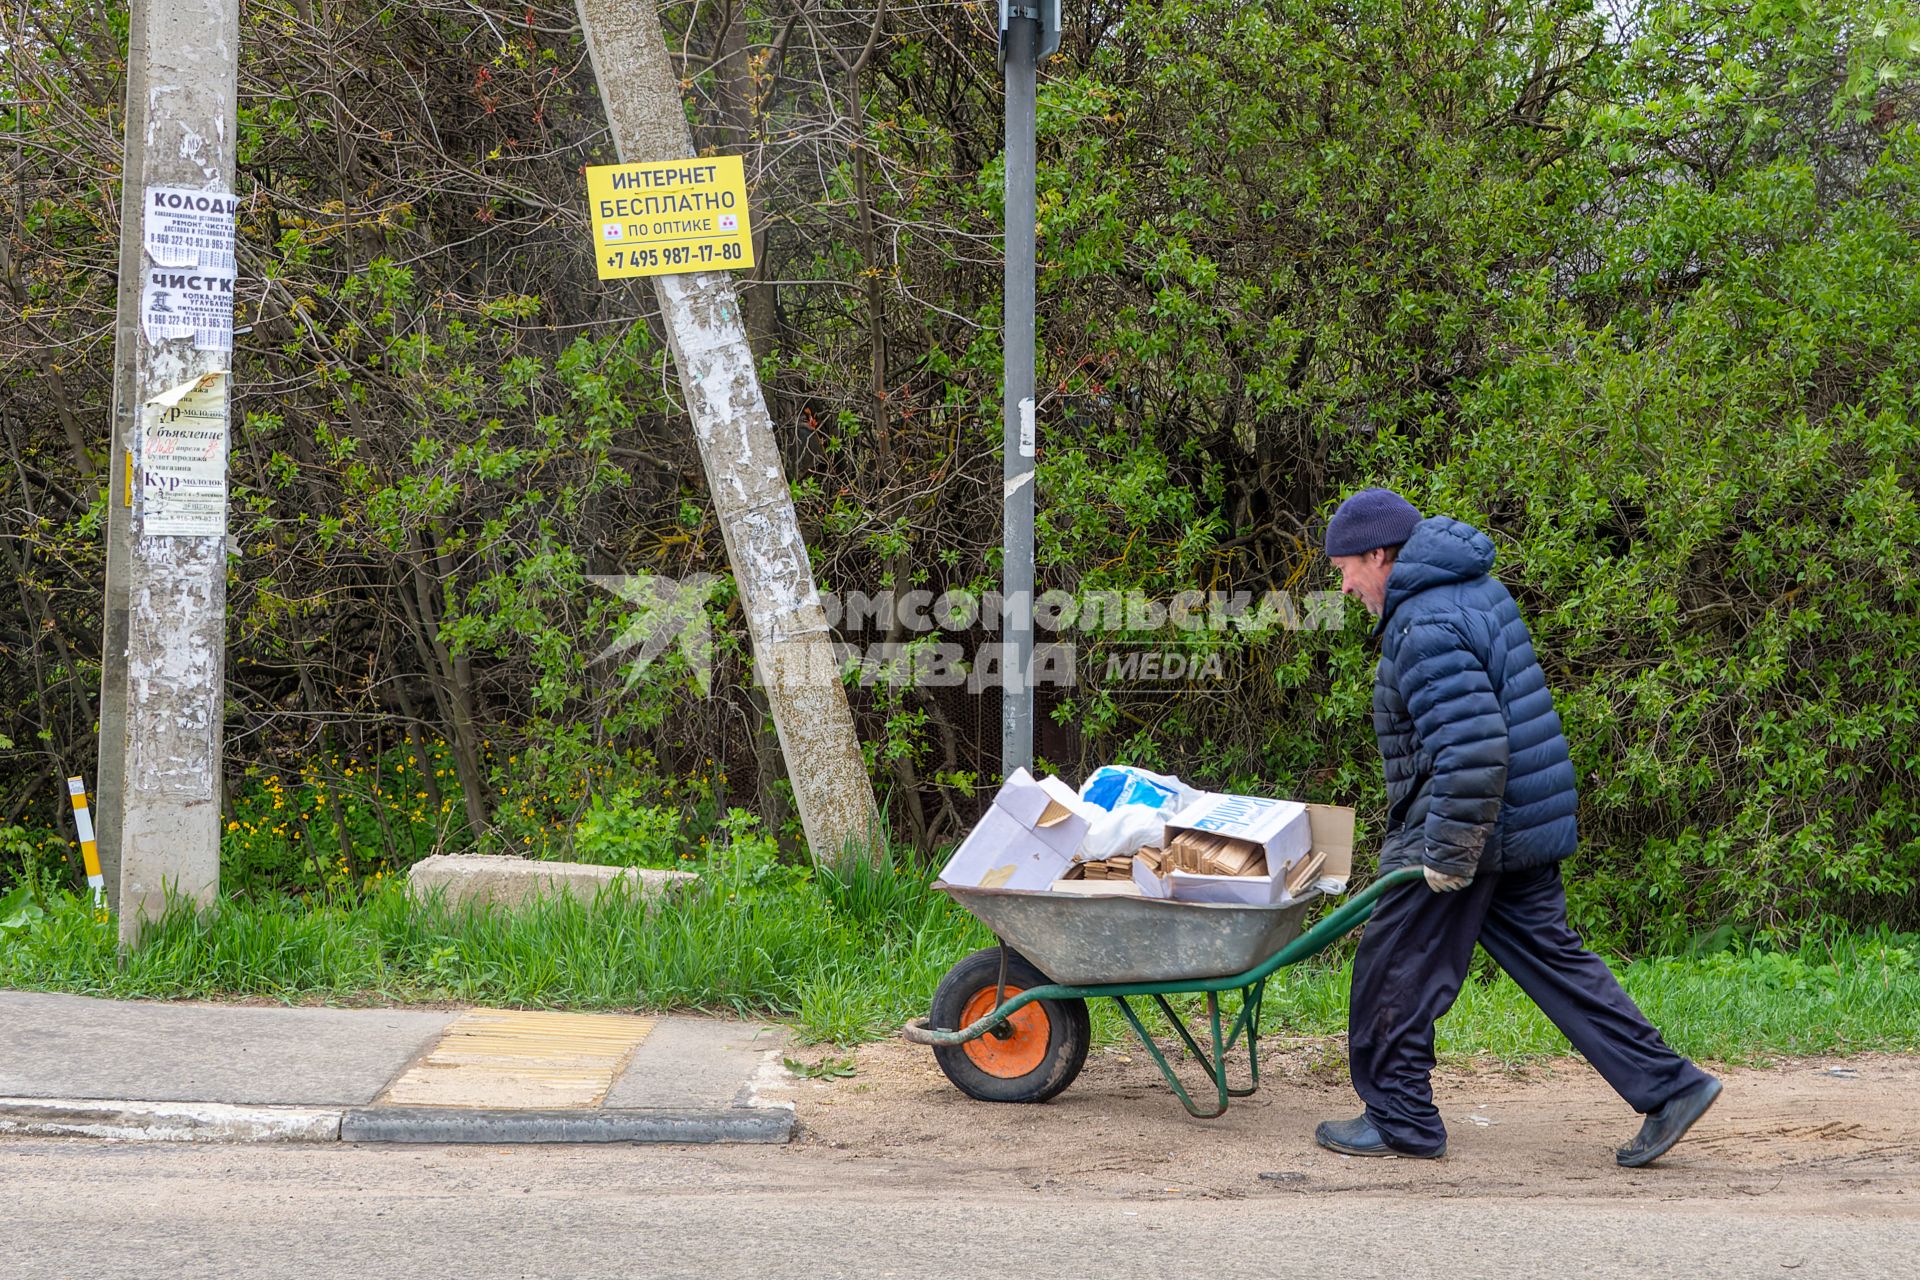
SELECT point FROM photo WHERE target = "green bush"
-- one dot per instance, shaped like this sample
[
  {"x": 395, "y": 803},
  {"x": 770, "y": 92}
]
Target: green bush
[
  {"x": 1632, "y": 286},
  {"x": 1647, "y": 312},
  {"x": 1711, "y": 522}
]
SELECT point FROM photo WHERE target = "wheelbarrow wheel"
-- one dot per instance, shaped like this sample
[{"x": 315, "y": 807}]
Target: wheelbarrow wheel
[{"x": 1032, "y": 1056}]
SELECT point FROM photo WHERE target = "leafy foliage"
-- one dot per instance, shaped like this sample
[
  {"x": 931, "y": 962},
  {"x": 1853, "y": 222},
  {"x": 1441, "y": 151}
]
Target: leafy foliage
[{"x": 1631, "y": 286}]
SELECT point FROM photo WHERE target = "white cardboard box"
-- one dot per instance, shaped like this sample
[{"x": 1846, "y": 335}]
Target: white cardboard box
[
  {"x": 1025, "y": 841},
  {"x": 1286, "y": 830},
  {"x": 1149, "y": 884}
]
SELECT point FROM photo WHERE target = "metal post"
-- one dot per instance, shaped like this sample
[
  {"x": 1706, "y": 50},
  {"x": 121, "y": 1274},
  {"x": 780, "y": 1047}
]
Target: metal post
[
  {"x": 1020, "y": 47},
  {"x": 171, "y": 419}
]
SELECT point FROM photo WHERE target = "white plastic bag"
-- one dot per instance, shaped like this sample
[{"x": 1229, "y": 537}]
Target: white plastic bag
[
  {"x": 1127, "y": 829},
  {"x": 1138, "y": 805},
  {"x": 1113, "y": 785}
]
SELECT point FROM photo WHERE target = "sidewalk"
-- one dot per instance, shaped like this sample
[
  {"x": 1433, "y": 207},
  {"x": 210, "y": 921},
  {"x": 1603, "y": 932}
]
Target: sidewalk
[{"x": 70, "y": 1065}]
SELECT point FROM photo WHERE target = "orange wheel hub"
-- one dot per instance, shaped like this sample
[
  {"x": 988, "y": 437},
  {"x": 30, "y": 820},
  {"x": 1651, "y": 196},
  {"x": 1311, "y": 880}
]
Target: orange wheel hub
[{"x": 1016, "y": 1054}]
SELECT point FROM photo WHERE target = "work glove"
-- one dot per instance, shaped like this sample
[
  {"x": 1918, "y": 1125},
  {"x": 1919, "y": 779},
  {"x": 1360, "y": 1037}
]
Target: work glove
[{"x": 1441, "y": 882}]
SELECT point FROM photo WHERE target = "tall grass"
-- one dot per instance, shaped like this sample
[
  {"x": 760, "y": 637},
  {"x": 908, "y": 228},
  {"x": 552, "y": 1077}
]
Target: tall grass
[
  {"x": 844, "y": 954},
  {"x": 1855, "y": 993},
  {"x": 851, "y": 954}
]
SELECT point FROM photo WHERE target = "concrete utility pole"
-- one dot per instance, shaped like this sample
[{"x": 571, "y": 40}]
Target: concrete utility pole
[
  {"x": 123, "y": 429},
  {"x": 792, "y": 646},
  {"x": 164, "y": 644},
  {"x": 1029, "y": 33}
]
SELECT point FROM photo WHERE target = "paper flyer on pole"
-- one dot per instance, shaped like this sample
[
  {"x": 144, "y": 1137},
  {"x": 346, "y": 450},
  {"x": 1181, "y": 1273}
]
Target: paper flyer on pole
[
  {"x": 186, "y": 290},
  {"x": 183, "y": 460}
]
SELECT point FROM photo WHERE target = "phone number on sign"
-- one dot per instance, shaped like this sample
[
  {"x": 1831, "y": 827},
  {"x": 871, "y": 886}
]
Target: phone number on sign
[{"x": 678, "y": 255}]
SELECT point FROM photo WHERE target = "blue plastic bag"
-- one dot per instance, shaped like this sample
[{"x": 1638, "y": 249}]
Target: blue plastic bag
[
  {"x": 1113, "y": 785},
  {"x": 1138, "y": 804}
]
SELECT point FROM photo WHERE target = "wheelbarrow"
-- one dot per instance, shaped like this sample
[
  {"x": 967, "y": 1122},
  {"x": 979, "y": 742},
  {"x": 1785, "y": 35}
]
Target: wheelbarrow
[{"x": 1009, "y": 1023}]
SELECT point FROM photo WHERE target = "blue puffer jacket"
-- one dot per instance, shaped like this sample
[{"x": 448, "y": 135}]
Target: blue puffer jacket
[{"x": 1478, "y": 775}]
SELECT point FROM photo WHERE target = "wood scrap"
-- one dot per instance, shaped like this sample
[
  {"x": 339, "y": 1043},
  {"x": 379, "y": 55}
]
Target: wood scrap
[
  {"x": 1204, "y": 853},
  {"x": 1118, "y": 867},
  {"x": 1304, "y": 873}
]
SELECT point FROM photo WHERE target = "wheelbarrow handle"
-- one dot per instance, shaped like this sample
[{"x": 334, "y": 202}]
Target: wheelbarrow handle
[
  {"x": 1350, "y": 915},
  {"x": 920, "y": 1033}
]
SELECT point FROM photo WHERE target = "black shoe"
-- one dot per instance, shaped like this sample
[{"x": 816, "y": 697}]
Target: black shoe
[
  {"x": 1668, "y": 1124},
  {"x": 1358, "y": 1137}
]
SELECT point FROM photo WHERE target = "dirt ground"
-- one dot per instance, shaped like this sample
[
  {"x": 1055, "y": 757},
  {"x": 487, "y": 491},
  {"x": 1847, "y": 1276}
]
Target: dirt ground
[
  {"x": 1817, "y": 1135},
  {"x": 1809, "y": 1169}
]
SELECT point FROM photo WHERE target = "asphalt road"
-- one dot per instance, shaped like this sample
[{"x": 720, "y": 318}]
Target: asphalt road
[{"x": 85, "y": 1208}]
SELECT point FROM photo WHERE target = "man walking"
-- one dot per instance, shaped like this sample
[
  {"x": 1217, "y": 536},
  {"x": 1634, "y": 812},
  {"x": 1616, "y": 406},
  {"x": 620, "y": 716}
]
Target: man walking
[{"x": 1480, "y": 792}]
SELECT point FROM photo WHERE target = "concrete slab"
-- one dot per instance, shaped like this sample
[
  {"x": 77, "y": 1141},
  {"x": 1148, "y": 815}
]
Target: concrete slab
[
  {"x": 61, "y": 1046},
  {"x": 148, "y": 1070},
  {"x": 510, "y": 882},
  {"x": 698, "y": 1062}
]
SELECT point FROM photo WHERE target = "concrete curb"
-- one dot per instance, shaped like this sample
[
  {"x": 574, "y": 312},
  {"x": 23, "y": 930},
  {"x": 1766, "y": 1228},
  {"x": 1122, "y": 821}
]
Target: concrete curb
[
  {"x": 224, "y": 1122},
  {"x": 166, "y": 1121},
  {"x": 472, "y": 1125}
]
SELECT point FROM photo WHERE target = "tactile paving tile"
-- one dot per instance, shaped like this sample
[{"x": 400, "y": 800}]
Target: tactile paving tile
[{"x": 508, "y": 1058}]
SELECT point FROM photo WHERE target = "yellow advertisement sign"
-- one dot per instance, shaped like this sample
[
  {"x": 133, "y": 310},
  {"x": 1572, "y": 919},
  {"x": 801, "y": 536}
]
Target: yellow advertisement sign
[{"x": 669, "y": 216}]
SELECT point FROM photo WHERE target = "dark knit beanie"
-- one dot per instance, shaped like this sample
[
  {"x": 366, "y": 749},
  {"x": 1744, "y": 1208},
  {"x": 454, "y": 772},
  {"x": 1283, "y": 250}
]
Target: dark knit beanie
[{"x": 1371, "y": 518}]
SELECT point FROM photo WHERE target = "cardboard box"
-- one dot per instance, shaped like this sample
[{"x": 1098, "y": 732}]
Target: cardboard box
[
  {"x": 1331, "y": 827},
  {"x": 1025, "y": 841},
  {"x": 1150, "y": 882},
  {"x": 1327, "y": 830},
  {"x": 1279, "y": 827}
]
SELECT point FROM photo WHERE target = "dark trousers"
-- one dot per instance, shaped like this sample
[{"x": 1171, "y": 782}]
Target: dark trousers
[{"x": 1412, "y": 959}]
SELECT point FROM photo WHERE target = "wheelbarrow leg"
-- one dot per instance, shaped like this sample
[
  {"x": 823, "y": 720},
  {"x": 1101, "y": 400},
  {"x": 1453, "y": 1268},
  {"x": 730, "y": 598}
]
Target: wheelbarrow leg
[
  {"x": 1214, "y": 1065},
  {"x": 1248, "y": 1024}
]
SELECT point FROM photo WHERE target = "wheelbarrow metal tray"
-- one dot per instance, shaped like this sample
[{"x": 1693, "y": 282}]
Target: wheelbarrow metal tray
[{"x": 1097, "y": 940}]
